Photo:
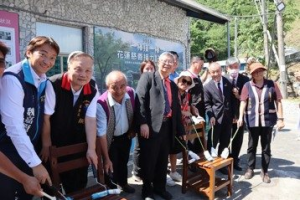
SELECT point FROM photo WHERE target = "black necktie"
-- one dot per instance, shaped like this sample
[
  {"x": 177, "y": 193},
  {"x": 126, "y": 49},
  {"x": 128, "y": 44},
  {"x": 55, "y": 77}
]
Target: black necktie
[
  {"x": 233, "y": 82},
  {"x": 220, "y": 91}
]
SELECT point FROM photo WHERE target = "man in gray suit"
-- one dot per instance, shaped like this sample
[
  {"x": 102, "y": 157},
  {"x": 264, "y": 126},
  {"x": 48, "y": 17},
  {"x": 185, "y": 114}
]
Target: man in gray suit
[
  {"x": 158, "y": 117},
  {"x": 218, "y": 99}
]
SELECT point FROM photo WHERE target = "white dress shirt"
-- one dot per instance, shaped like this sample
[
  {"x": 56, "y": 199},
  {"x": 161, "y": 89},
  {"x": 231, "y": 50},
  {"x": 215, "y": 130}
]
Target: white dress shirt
[
  {"x": 12, "y": 113},
  {"x": 121, "y": 121},
  {"x": 51, "y": 101}
]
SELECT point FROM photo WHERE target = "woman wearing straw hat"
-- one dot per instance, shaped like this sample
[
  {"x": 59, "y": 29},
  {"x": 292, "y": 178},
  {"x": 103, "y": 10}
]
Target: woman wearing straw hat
[{"x": 258, "y": 99}]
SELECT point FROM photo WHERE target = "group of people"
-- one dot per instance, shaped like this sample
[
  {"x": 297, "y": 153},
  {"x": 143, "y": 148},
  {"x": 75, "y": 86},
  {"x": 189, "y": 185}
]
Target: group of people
[{"x": 38, "y": 112}]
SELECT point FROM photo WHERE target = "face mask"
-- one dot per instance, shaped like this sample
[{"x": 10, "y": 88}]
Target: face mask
[{"x": 233, "y": 72}]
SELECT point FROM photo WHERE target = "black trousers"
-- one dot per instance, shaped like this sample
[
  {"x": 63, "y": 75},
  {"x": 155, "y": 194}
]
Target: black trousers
[
  {"x": 119, "y": 156},
  {"x": 9, "y": 188},
  {"x": 154, "y": 159},
  {"x": 265, "y": 134},
  {"x": 236, "y": 142},
  {"x": 221, "y": 134}
]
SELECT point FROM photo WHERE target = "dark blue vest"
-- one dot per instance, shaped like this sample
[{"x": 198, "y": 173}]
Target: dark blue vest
[
  {"x": 265, "y": 105},
  {"x": 33, "y": 104}
]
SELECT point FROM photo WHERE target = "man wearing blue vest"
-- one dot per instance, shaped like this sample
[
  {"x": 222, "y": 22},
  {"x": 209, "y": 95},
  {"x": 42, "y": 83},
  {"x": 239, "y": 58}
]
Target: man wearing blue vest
[
  {"x": 22, "y": 105},
  {"x": 70, "y": 115},
  {"x": 115, "y": 111}
]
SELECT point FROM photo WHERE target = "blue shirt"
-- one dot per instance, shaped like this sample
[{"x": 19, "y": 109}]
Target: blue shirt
[{"x": 173, "y": 75}]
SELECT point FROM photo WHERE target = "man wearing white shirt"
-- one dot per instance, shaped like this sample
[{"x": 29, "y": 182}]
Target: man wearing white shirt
[
  {"x": 22, "y": 104},
  {"x": 70, "y": 115},
  {"x": 115, "y": 111}
]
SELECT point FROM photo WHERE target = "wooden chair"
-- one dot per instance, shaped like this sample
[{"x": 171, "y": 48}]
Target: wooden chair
[
  {"x": 204, "y": 180},
  {"x": 60, "y": 167}
]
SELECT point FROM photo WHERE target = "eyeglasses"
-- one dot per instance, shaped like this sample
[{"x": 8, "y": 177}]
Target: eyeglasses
[
  {"x": 167, "y": 62},
  {"x": 2, "y": 63},
  {"x": 184, "y": 81}
]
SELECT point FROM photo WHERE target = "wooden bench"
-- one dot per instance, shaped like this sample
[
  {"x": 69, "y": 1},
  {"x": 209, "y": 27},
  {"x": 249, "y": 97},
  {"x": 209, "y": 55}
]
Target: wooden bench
[{"x": 60, "y": 167}]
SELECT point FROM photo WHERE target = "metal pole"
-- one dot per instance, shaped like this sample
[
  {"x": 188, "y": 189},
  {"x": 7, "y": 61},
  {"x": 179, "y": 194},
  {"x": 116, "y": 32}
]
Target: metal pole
[
  {"x": 281, "y": 54},
  {"x": 235, "y": 37},
  {"x": 228, "y": 40},
  {"x": 265, "y": 29}
]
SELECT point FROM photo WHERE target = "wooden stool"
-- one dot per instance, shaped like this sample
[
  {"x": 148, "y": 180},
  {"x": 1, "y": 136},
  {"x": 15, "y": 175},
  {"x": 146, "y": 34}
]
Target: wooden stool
[{"x": 208, "y": 183}]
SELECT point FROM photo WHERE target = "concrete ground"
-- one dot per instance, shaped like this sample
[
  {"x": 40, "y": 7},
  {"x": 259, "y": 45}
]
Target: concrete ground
[{"x": 284, "y": 169}]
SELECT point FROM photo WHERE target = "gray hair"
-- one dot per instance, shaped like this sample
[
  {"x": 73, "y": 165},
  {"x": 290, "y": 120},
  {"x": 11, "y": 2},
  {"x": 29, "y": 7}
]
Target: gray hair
[
  {"x": 76, "y": 54},
  {"x": 166, "y": 53},
  {"x": 232, "y": 60},
  {"x": 114, "y": 73}
]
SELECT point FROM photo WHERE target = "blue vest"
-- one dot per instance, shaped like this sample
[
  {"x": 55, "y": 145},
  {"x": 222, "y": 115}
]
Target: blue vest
[
  {"x": 265, "y": 105},
  {"x": 33, "y": 104}
]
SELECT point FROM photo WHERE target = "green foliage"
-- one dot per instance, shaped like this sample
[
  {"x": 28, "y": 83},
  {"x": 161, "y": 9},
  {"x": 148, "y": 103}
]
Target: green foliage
[{"x": 250, "y": 32}]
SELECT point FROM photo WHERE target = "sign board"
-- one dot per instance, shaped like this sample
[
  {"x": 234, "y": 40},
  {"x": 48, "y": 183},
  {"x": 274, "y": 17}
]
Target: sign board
[
  {"x": 9, "y": 34},
  {"x": 119, "y": 50}
]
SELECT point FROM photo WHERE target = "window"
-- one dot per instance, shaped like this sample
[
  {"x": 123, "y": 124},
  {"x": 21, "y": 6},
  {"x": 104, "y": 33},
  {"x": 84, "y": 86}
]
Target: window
[{"x": 69, "y": 39}]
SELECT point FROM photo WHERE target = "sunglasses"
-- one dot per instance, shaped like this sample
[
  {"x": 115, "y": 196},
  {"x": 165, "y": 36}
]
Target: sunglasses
[{"x": 186, "y": 81}]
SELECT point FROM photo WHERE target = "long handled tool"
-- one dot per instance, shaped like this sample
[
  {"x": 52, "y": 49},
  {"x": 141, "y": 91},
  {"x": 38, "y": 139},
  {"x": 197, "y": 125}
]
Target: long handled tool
[
  {"x": 106, "y": 191},
  {"x": 213, "y": 151},
  {"x": 48, "y": 196},
  {"x": 57, "y": 193},
  {"x": 225, "y": 152},
  {"x": 206, "y": 153}
]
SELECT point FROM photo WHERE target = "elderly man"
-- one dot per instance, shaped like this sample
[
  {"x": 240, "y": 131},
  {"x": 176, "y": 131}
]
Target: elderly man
[
  {"x": 219, "y": 99},
  {"x": 157, "y": 113},
  {"x": 70, "y": 114},
  {"x": 115, "y": 110},
  {"x": 238, "y": 81}
]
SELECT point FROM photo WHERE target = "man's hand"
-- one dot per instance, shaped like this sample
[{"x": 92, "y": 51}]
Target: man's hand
[
  {"x": 212, "y": 121},
  {"x": 92, "y": 157},
  {"x": 108, "y": 166},
  {"x": 32, "y": 186},
  {"x": 41, "y": 174},
  {"x": 44, "y": 154},
  {"x": 236, "y": 93},
  {"x": 144, "y": 131},
  {"x": 239, "y": 123},
  {"x": 280, "y": 124}
]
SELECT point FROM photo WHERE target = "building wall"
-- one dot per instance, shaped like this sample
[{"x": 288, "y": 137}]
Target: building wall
[{"x": 150, "y": 17}]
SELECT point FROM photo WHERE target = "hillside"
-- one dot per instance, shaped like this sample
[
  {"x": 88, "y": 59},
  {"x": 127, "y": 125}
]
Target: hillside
[{"x": 292, "y": 38}]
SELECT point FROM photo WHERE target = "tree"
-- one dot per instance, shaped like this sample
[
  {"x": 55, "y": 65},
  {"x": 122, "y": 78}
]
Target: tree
[
  {"x": 106, "y": 48},
  {"x": 250, "y": 32}
]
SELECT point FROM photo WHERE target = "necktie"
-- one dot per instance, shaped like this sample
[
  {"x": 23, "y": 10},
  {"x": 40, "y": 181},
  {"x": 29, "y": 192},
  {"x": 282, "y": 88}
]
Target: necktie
[
  {"x": 167, "y": 103},
  {"x": 220, "y": 90},
  {"x": 233, "y": 82}
]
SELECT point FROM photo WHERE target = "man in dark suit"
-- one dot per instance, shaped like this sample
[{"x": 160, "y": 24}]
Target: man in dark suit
[
  {"x": 218, "y": 99},
  {"x": 158, "y": 115},
  {"x": 237, "y": 80},
  {"x": 197, "y": 92}
]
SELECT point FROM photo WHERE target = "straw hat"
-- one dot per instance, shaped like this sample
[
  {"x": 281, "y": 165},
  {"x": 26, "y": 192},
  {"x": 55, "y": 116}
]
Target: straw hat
[
  {"x": 255, "y": 66},
  {"x": 185, "y": 74}
]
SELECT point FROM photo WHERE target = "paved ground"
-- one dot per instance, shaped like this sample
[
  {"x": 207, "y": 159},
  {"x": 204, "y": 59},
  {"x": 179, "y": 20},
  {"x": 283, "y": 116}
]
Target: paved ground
[{"x": 284, "y": 169}]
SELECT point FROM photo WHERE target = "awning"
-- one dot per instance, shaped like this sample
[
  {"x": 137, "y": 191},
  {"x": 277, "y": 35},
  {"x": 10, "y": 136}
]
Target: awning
[{"x": 196, "y": 10}]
